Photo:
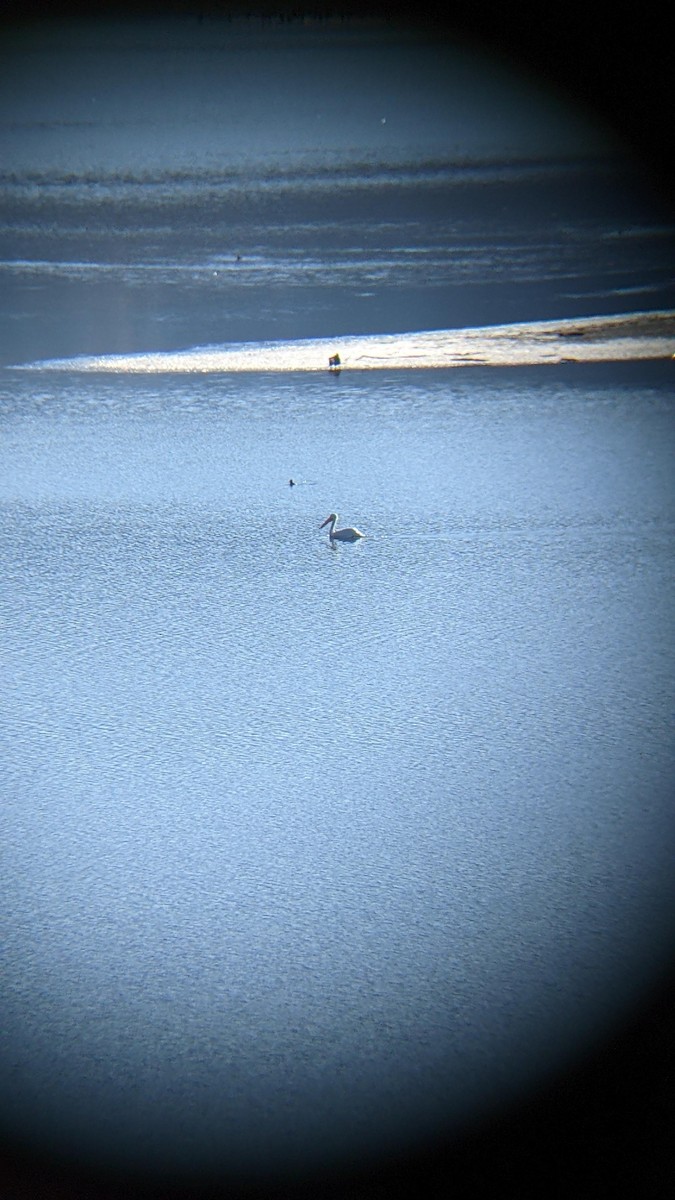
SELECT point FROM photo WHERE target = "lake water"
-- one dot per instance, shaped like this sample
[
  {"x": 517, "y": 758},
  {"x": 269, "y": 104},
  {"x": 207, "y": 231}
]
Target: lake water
[{"x": 312, "y": 851}]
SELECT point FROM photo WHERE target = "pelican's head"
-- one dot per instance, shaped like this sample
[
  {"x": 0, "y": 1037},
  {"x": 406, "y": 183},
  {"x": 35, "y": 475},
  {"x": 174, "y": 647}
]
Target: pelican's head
[{"x": 329, "y": 518}]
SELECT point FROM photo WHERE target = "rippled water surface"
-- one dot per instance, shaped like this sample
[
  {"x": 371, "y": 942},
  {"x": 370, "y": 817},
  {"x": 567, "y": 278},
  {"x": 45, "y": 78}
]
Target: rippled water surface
[{"x": 309, "y": 849}]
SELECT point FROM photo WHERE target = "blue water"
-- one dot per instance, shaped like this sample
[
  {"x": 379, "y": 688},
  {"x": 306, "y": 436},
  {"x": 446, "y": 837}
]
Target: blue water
[
  {"x": 313, "y": 852},
  {"x": 138, "y": 265},
  {"x": 310, "y": 851}
]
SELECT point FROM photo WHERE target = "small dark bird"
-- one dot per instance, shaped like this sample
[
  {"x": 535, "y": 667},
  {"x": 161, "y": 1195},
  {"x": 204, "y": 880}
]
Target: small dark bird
[{"x": 291, "y": 483}]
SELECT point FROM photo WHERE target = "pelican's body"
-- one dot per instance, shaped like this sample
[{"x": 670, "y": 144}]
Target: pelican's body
[{"x": 341, "y": 535}]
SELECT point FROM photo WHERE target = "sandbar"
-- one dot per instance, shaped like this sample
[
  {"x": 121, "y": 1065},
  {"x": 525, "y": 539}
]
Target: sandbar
[{"x": 624, "y": 338}]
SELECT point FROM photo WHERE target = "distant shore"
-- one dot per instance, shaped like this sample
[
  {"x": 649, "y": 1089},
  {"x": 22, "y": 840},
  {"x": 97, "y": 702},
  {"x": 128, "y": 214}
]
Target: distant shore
[{"x": 624, "y": 338}]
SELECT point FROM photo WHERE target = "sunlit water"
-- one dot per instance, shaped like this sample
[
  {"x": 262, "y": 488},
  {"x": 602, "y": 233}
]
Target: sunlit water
[{"x": 311, "y": 850}]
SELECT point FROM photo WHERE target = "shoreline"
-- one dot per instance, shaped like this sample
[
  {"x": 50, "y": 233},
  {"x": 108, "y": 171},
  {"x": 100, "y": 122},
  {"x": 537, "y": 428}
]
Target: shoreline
[{"x": 624, "y": 338}]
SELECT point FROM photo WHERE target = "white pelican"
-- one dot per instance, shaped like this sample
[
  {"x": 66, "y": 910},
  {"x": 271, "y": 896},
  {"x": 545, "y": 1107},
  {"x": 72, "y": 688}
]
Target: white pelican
[{"x": 341, "y": 535}]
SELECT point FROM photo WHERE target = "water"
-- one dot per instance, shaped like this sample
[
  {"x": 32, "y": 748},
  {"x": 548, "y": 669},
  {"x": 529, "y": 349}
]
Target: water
[
  {"x": 150, "y": 265},
  {"x": 310, "y": 850}
]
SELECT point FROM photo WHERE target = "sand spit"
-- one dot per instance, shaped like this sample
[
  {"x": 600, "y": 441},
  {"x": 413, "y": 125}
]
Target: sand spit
[{"x": 594, "y": 339}]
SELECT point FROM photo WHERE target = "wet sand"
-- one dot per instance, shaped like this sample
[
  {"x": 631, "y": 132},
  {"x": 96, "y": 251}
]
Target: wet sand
[{"x": 623, "y": 338}]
